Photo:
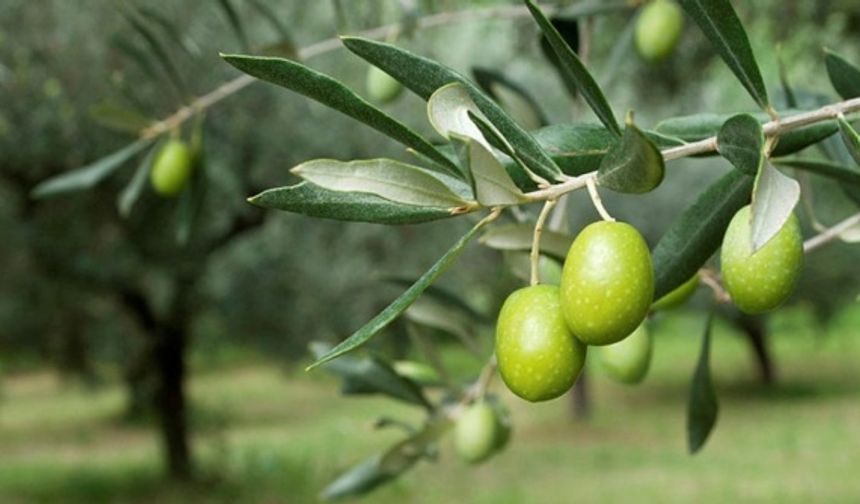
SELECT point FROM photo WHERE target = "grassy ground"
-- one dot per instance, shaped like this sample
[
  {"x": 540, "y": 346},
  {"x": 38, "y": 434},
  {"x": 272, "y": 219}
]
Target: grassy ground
[{"x": 272, "y": 436}]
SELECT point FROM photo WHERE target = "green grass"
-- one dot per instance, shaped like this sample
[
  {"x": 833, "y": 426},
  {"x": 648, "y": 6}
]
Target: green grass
[{"x": 267, "y": 435}]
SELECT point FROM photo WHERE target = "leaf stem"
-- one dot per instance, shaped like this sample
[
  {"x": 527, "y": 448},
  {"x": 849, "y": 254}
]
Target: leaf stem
[
  {"x": 831, "y": 233},
  {"x": 591, "y": 184},
  {"x": 535, "y": 253}
]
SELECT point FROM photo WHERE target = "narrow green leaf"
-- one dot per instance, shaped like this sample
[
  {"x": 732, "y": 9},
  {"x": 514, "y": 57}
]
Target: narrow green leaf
[
  {"x": 358, "y": 480},
  {"x": 720, "y": 23},
  {"x": 824, "y": 168},
  {"x": 171, "y": 30},
  {"x": 390, "y": 179},
  {"x": 850, "y": 138},
  {"x": 702, "y": 408},
  {"x": 515, "y": 99},
  {"x": 700, "y": 126},
  {"x": 132, "y": 191},
  {"x": 428, "y": 312},
  {"x": 773, "y": 200},
  {"x": 519, "y": 237},
  {"x": 443, "y": 296},
  {"x": 633, "y": 165},
  {"x": 741, "y": 142},
  {"x": 577, "y": 148},
  {"x": 844, "y": 76},
  {"x": 314, "y": 201},
  {"x": 424, "y": 76},
  {"x": 790, "y": 97},
  {"x": 119, "y": 118},
  {"x": 191, "y": 203},
  {"x": 575, "y": 71},
  {"x": 697, "y": 233},
  {"x": 334, "y": 94},
  {"x": 235, "y": 23},
  {"x": 400, "y": 304},
  {"x": 522, "y": 177},
  {"x": 492, "y": 184},
  {"x": 371, "y": 375},
  {"x": 90, "y": 175}
]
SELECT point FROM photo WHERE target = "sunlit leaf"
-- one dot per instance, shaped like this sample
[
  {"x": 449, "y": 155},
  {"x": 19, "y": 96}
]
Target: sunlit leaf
[
  {"x": 773, "y": 200},
  {"x": 390, "y": 179}
]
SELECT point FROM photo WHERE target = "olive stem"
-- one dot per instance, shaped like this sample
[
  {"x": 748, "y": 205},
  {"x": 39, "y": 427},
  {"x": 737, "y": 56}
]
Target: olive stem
[
  {"x": 535, "y": 253},
  {"x": 591, "y": 184},
  {"x": 831, "y": 233},
  {"x": 712, "y": 279}
]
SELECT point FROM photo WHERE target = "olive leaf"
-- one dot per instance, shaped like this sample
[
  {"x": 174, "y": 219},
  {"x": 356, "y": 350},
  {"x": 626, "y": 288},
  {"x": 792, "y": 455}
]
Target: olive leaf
[
  {"x": 741, "y": 142},
  {"x": 132, "y": 191},
  {"x": 336, "y": 95},
  {"x": 390, "y": 179},
  {"x": 844, "y": 76},
  {"x": 773, "y": 200},
  {"x": 850, "y": 138},
  {"x": 702, "y": 408},
  {"x": 574, "y": 71},
  {"x": 314, "y": 201},
  {"x": 119, "y": 117},
  {"x": 424, "y": 76},
  {"x": 697, "y": 233},
  {"x": 403, "y": 302},
  {"x": 633, "y": 165},
  {"x": 448, "y": 111},
  {"x": 824, "y": 168},
  {"x": 519, "y": 237},
  {"x": 90, "y": 175},
  {"x": 721, "y": 25},
  {"x": 491, "y": 183}
]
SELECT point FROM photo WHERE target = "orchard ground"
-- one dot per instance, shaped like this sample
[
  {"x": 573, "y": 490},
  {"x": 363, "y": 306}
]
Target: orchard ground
[{"x": 268, "y": 435}]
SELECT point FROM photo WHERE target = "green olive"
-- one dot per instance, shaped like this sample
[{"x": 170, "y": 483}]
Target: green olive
[
  {"x": 658, "y": 29},
  {"x": 476, "y": 433},
  {"x": 539, "y": 359},
  {"x": 418, "y": 372},
  {"x": 171, "y": 169},
  {"x": 628, "y": 360},
  {"x": 678, "y": 296},
  {"x": 760, "y": 281},
  {"x": 381, "y": 87},
  {"x": 607, "y": 283}
]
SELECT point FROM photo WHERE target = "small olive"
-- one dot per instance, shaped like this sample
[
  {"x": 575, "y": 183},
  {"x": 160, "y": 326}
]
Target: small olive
[
  {"x": 381, "y": 87},
  {"x": 476, "y": 433},
  {"x": 658, "y": 29},
  {"x": 628, "y": 360},
  {"x": 172, "y": 168},
  {"x": 678, "y": 296}
]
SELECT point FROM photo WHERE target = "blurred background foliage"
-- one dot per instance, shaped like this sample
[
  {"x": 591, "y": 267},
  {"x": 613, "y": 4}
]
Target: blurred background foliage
[{"x": 296, "y": 279}]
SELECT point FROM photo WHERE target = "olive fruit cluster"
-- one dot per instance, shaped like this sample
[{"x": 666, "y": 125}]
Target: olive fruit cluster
[
  {"x": 658, "y": 30},
  {"x": 482, "y": 430},
  {"x": 607, "y": 286},
  {"x": 172, "y": 168}
]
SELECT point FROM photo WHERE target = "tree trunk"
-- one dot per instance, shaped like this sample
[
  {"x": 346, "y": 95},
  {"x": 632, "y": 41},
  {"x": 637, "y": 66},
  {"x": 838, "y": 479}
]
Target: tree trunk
[
  {"x": 580, "y": 399},
  {"x": 171, "y": 401},
  {"x": 756, "y": 334}
]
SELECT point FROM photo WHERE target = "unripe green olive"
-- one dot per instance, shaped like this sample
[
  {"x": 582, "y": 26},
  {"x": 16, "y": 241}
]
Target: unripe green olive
[
  {"x": 539, "y": 359},
  {"x": 171, "y": 169},
  {"x": 658, "y": 29},
  {"x": 678, "y": 296},
  {"x": 760, "y": 281},
  {"x": 628, "y": 360},
  {"x": 418, "y": 372},
  {"x": 607, "y": 284},
  {"x": 381, "y": 87},
  {"x": 476, "y": 433}
]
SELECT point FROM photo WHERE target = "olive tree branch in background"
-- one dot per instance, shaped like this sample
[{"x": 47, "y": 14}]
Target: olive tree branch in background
[
  {"x": 831, "y": 233},
  {"x": 232, "y": 87}
]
